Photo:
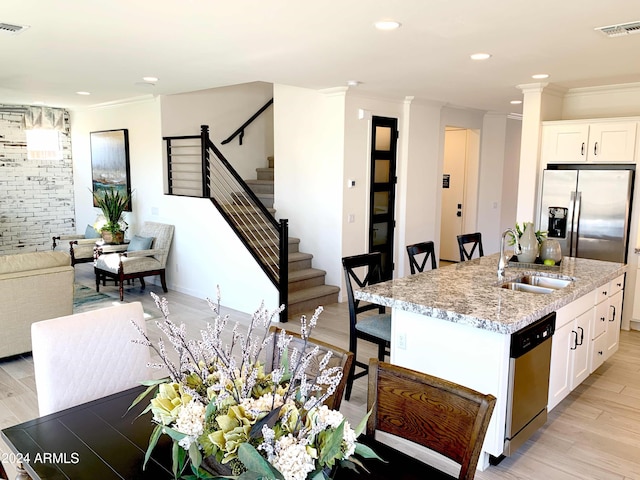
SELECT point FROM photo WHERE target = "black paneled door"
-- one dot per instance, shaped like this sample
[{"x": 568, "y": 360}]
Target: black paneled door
[{"x": 384, "y": 140}]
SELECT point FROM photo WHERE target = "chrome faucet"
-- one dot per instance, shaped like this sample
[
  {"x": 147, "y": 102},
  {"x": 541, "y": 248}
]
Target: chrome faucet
[{"x": 517, "y": 250}]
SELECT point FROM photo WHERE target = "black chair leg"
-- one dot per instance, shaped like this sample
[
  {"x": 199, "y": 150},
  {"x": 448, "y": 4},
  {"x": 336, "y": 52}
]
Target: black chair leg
[
  {"x": 382, "y": 351},
  {"x": 352, "y": 372},
  {"x": 163, "y": 282}
]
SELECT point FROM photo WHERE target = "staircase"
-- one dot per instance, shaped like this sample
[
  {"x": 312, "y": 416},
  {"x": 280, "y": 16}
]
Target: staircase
[{"x": 307, "y": 287}]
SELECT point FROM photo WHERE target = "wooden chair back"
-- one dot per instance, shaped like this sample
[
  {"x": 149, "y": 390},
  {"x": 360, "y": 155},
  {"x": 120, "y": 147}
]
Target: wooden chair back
[
  {"x": 417, "y": 249},
  {"x": 339, "y": 358},
  {"x": 468, "y": 243},
  {"x": 445, "y": 417}
]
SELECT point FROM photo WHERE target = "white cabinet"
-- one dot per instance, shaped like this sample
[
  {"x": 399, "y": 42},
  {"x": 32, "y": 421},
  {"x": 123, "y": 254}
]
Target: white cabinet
[
  {"x": 570, "y": 348},
  {"x": 615, "y": 317},
  {"x": 565, "y": 142},
  {"x": 606, "y": 322}
]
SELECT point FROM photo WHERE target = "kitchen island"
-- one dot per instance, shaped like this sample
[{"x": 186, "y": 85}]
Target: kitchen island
[{"x": 456, "y": 323}]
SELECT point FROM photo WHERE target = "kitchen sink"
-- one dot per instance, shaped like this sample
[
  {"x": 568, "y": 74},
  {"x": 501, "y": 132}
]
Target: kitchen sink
[
  {"x": 524, "y": 287},
  {"x": 546, "y": 282},
  {"x": 537, "y": 284}
]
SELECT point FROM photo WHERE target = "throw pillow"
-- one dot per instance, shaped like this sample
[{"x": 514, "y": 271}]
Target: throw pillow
[
  {"x": 91, "y": 232},
  {"x": 140, "y": 243}
]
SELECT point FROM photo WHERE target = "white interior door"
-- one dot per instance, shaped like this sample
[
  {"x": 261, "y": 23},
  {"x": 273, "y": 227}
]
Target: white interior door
[{"x": 453, "y": 188}]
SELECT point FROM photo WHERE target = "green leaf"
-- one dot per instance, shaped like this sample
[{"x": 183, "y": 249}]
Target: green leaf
[
  {"x": 363, "y": 424},
  {"x": 194, "y": 455},
  {"x": 318, "y": 475},
  {"x": 366, "y": 452},
  {"x": 270, "y": 420},
  {"x": 144, "y": 394},
  {"x": 176, "y": 453},
  {"x": 153, "y": 440},
  {"x": 254, "y": 462},
  {"x": 211, "y": 410},
  {"x": 174, "y": 434},
  {"x": 331, "y": 446}
]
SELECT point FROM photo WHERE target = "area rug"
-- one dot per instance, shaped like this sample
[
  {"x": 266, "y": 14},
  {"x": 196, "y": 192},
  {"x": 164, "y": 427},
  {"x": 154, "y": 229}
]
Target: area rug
[{"x": 85, "y": 299}]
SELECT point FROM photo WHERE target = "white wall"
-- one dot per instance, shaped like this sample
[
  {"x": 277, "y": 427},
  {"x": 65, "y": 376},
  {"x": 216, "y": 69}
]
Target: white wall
[
  {"x": 419, "y": 179},
  {"x": 494, "y": 131},
  {"x": 510, "y": 174},
  {"x": 357, "y": 166},
  {"x": 197, "y": 263},
  {"x": 309, "y": 135},
  {"x": 601, "y": 102},
  {"x": 224, "y": 110}
]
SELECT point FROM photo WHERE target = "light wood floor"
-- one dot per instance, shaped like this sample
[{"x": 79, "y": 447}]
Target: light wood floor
[{"x": 593, "y": 434}]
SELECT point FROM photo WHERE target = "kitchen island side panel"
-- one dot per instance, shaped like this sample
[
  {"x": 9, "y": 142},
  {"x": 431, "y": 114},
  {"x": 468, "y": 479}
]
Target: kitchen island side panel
[{"x": 473, "y": 357}]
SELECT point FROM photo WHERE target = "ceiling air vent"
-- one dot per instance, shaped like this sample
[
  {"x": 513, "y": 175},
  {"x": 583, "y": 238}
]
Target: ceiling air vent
[
  {"x": 621, "y": 29},
  {"x": 12, "y": 29}
]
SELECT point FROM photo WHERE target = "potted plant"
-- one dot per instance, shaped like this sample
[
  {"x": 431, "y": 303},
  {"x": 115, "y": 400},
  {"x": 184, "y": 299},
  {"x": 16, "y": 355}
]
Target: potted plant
[{"x": 112, "y": 203}]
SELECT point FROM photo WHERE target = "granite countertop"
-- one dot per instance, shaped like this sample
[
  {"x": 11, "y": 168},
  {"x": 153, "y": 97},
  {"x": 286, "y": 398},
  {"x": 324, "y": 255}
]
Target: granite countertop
[{"x": 469, "y": 292}]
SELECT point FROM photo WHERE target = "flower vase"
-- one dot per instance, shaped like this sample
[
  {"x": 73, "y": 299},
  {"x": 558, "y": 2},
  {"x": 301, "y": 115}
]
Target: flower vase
[{"x": 528, "y": 245}]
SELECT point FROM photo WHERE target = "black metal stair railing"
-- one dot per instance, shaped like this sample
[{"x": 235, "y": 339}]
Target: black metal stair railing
[
  {"x": 240, "y": 131},
  {"x": 196, "y": 168}
]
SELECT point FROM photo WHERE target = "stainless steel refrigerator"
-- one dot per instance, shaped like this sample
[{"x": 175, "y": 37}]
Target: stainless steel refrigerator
[{"x": 588, "y": 209}]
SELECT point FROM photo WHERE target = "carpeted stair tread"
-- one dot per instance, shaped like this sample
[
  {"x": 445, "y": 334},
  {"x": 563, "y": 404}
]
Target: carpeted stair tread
[
  {"x": 314, "y": 292},
  {"x": 305, "y": 274}
]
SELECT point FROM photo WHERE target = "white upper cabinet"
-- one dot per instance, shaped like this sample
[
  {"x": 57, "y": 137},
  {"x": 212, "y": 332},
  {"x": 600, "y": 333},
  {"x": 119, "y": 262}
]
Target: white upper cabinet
[
  {"x": 570, "y": 142},
  {"x": 565, "y": 143}
]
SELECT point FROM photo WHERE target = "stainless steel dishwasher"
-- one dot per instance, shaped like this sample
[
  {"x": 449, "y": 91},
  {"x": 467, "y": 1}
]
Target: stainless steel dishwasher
[{"x": 528, "y": 381}]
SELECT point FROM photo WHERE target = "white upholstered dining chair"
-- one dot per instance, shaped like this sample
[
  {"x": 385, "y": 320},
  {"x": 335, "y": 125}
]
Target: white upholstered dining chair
[{"x": 85, "y": 356}]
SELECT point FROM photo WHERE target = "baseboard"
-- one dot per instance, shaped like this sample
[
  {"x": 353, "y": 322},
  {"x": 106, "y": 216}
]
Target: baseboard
[{"x": 634, "y": 325}]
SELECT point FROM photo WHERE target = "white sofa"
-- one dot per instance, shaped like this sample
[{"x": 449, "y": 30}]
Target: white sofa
[{"x": 33, "y": 286}]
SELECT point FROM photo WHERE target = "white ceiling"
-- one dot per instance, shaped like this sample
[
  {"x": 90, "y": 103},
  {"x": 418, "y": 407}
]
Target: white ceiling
[{"x": 106, "y": 47}]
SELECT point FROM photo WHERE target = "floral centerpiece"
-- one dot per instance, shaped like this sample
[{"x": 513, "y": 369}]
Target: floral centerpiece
[{"x": 228, "y": 418}]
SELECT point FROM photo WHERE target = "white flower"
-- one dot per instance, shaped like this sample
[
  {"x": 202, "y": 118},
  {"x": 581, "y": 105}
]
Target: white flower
[
  {"x": 292, "y": 459},
  {"x": 261, "y": 405},
  {"x": 326, "y": 416},
  {"x": 190, "y": 421},
  {"x": 348, "y": 440}
]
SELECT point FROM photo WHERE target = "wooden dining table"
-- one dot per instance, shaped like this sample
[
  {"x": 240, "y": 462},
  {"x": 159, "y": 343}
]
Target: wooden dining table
[{"x": 101, "y": 440}]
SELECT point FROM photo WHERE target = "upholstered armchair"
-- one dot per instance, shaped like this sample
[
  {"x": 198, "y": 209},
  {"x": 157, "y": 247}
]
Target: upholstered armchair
[
  {"x": 80, "y": 245},
  {"x": 146, "y": 255}
]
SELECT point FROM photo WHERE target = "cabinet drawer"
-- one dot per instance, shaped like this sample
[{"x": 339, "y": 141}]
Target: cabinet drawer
[
  {"x": 600, "y": 319},
  {"x": 616, "y": 285},
  {"x": 602, "y": 293},
  {"x": 567, "y": 313}
]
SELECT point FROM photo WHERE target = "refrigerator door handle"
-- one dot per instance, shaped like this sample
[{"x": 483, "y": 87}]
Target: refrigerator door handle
[
  {"x": 575, "y": 222},
  {"x": 570, "y": 232}
]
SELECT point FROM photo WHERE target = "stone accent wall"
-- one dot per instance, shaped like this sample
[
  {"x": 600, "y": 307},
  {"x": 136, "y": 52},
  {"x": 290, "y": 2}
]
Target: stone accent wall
[{"x": 36, "y": 196}]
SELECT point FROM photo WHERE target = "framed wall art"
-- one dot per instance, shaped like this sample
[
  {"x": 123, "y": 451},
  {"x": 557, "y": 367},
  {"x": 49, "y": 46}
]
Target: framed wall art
[{"x": 110, "y": 162}]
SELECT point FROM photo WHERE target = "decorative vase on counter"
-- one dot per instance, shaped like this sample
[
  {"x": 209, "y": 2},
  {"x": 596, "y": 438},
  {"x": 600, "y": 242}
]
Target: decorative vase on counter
[
  {"x": 528, "y": 244},
  {"x": 550, "y": 249}
]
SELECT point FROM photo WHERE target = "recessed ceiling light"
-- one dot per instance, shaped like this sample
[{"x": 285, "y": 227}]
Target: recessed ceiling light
[
  {"x": 387, "y": 25},
  {"x": 480, "y": 56},
  {"x": 539, "y": 76},
  {"x": 353, "y": 83},
  {"x": 515, "y": 102},
  {"x": 83, "y": 93},
  {"x": 150, "y": 79}
]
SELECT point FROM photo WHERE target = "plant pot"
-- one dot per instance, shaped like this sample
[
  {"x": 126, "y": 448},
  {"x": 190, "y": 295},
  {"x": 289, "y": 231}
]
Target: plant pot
[{"x": 114, "y": 238}]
